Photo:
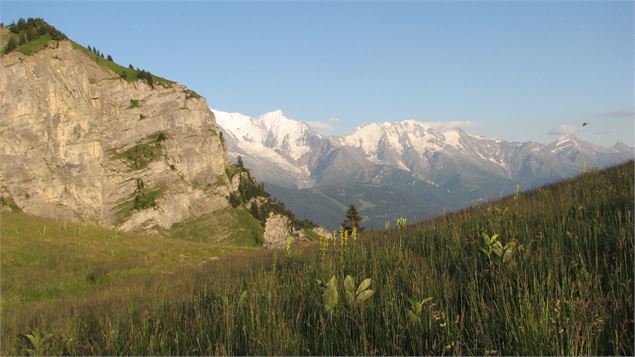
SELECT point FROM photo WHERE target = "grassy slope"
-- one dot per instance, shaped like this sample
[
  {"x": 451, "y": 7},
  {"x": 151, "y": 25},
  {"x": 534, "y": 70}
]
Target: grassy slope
[
  {"x": 567, "y": 289},
  {"x": 131, "y": 74},
  {"x": 234, "y": 226},
  {"x": 44, "y": 259},
  {"x": 28, "y": 48},
  {"x": 34, "y": 46}
]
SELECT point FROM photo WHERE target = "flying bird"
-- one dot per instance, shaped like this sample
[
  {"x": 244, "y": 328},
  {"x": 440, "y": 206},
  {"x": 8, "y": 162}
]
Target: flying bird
[{"x": 585, "y": 123}]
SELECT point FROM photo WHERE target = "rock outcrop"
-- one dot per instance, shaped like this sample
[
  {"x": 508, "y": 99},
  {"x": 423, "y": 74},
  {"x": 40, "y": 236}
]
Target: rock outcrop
[
  {"x": 81, "y": 143},
  {"x": 279, "y": 229}
]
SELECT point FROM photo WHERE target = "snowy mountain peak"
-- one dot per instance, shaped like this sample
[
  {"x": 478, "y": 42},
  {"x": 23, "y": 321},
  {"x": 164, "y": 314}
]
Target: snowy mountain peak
[
  {"x": 274, "y": 116},
  {"x": 282, "y": 149},
  {"x": 271, "y": 134},
  {"x": 621, "y": 147},
  {"x": 404, "y": 135},
  {"x": 570, "y": 144}
]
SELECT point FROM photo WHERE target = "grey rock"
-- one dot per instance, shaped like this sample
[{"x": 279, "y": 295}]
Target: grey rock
[{"x": 65, "y": 121}]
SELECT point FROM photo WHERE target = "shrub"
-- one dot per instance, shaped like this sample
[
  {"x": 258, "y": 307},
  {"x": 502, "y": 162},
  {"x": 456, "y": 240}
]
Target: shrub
[
  {"x": 234, "y": 199},
  {"x": 12, "y": 44}
]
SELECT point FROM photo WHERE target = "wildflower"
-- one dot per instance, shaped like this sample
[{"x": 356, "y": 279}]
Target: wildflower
[
  {"x": 287, "y": 249},
  {"x": 324, "y": 246},
  {"x": 401, "y": 223}
]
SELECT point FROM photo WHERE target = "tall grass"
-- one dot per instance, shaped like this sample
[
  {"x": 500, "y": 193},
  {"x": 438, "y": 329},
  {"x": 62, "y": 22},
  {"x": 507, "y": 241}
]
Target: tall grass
[{"x": 556, "y": 280}]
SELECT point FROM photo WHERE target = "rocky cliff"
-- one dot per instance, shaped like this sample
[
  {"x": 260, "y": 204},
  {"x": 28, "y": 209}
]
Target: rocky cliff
[{"x": 81, "y": 143}]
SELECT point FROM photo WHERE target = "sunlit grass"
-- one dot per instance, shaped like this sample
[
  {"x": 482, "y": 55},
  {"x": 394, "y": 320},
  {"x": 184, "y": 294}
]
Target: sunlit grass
[{"x": 556, "y": 280}]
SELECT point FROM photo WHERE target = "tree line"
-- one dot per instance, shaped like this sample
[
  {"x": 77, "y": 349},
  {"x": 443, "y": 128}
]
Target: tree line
[{"x": 31, "y": 29}]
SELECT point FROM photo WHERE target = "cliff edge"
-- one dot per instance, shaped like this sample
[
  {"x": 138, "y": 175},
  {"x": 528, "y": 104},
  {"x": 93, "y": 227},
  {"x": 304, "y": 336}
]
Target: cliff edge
[{"x": 79, "y": 142}]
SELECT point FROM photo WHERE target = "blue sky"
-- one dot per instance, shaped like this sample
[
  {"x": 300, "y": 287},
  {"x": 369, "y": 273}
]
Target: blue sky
[{"x": 515, "y": 70}]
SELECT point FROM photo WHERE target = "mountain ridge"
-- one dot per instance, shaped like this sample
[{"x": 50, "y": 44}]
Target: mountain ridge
[{"x": 435, "y": 155}]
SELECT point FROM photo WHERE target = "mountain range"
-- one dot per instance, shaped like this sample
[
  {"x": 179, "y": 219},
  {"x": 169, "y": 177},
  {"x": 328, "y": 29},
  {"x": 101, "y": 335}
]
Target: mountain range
[{"x": 408, "y": 169}]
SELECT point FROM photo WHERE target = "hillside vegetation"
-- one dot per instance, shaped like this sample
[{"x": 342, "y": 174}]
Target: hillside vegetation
[
  {"x": 544, "y": 272},
  {"x": 28, "y": 36}
]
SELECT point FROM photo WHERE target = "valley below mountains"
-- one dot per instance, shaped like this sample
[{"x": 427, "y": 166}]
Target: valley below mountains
[{"x": 411, "y": 169}]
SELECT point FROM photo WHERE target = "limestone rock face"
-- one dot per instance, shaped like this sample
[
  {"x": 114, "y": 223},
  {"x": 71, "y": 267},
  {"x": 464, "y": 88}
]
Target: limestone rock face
[
  {"x": 235, "y": 180},
  {"x": 80, "y": 143},
  {"x": 278, "y": 229},
  {"x": 319, "y": 230}
]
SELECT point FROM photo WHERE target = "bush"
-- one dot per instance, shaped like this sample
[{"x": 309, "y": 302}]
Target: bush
[
  {"x": 11, "y": 45},
  {"x": 234, "y": 199}
]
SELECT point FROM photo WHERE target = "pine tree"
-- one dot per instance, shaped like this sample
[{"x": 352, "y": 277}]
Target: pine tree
[
  {"x": 110, "y": 58},
  {"x": 234, "y": 199},
  {"x": 254, "y": 210},
  {"x": 353, "y": 219}
]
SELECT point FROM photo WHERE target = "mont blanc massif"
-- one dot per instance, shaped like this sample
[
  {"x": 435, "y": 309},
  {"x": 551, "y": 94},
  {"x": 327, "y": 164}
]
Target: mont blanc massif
[{"x": 415, "y": 168}]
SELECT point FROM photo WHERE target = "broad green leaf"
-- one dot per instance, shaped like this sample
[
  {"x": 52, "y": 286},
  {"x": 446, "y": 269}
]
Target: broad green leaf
[
  {"x": 364, "y": 295},
  {"x": 497, "y": 248},
  {"x": 363, "y": 286},
  {"x": 349, "y": 283},
  {"x": 487, "y": 253},
  {"x": 331, "y": 297},
  {"x": 349, "y": 289}
]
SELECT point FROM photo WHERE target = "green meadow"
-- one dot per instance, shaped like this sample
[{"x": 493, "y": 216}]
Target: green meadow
[{"x": 546, "y": 272}]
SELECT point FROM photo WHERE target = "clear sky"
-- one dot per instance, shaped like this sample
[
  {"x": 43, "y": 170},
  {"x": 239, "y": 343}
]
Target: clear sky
[{"x": 515, "y": 70}]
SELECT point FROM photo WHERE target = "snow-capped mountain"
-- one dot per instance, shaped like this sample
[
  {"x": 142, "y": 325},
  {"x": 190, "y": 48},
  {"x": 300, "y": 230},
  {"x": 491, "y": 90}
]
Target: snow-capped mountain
[
  {"x": 410, "y": 145},
  {"x": 277, "y": 148},
  {"x": 428, "y": 166}
]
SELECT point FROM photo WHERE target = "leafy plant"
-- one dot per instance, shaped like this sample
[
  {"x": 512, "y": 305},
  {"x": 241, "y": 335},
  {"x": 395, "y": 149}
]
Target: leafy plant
[
  {"x": 331, "y": 296},
  {"x": 355, "y": 296},
  {"x": 493, "y": 248},
  {"x": 37, "y": 343}
]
